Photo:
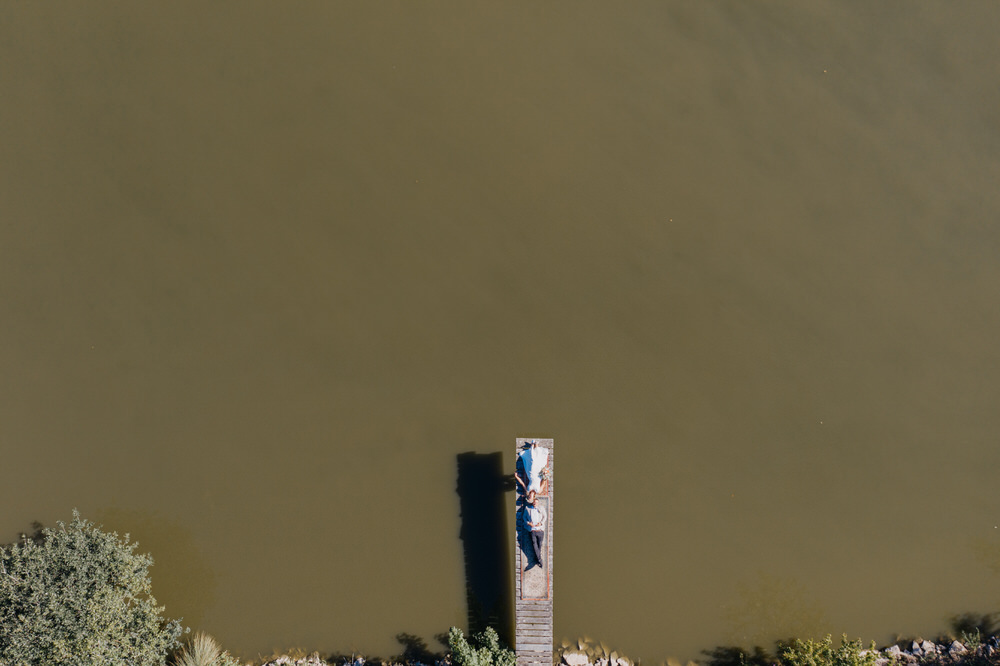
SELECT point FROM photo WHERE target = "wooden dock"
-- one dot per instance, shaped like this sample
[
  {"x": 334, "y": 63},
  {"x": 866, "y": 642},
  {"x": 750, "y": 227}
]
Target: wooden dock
[{"x": 533, "y": 587}]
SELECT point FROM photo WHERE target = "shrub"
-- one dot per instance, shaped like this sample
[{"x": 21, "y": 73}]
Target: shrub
[
  {"x": 822, "y": 653},
  {"x": 485, "y": 649},
  {"x": 80, "y": 597}
]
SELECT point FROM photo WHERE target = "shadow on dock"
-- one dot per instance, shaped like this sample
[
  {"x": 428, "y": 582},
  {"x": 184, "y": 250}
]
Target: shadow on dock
[{"x": 489, "y": 590}]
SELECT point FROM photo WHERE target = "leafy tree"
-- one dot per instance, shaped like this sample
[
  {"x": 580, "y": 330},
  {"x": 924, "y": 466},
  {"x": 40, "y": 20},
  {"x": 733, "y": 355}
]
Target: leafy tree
[
  {"x": 80, "y": 597},
  {"x": 485, "y": 649}
]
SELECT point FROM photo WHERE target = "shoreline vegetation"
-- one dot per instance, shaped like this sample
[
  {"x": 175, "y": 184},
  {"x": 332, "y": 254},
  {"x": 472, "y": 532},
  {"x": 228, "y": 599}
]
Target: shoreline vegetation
[
  {"x": 971, "y": 649},
  {"x": 75, "y": 595}
]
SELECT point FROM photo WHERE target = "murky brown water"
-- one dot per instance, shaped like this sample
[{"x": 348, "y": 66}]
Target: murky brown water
[{"x": 266, "y": 269}]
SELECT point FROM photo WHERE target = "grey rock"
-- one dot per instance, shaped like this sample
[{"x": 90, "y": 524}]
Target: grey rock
[
  {"x": 915, "y": 649},
  {"x": 956, "y": 648},
  {"x": 928, "y": 647},
  {"x": 284, "y": 660},
  {"x": 575, "y": 659},
  {"x": 894, "y": 651}
]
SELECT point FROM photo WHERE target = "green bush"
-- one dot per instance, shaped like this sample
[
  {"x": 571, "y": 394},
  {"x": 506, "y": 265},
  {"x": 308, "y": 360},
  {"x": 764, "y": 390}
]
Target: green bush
[
  {"x": 80, "y": 597},
  {"x": 485, "y": 649},
  {"x": 823, "y": 653}
]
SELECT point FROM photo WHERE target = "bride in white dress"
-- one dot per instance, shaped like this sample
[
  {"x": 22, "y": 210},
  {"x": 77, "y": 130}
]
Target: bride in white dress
[{"x": 533, "y": 460}]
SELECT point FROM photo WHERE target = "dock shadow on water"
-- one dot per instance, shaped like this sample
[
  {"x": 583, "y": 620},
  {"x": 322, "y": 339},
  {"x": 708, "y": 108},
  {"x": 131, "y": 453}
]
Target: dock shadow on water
[{"x": 481, "y": 488}]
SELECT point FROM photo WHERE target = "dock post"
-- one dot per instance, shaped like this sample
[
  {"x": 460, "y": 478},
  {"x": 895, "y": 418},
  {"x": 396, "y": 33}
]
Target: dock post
[{"x": 533, "y": 587}]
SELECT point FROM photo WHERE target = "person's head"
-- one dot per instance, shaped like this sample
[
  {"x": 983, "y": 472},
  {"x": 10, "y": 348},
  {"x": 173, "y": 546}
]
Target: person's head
[{"x": 530, "y": 497}]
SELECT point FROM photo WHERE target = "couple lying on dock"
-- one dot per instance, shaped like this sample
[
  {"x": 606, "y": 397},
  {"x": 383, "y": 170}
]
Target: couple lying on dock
[{"x": 533, "y": 464}]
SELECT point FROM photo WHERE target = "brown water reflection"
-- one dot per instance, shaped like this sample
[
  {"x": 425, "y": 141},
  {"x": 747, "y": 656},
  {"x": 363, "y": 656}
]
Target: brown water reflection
[
  {"x": 266, "y": 270},
  {"x": 772, "y": 607}
]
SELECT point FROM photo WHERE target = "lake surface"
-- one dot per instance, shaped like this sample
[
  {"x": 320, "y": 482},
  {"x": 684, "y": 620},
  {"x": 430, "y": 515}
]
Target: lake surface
[{"x": 267, "y": 269}]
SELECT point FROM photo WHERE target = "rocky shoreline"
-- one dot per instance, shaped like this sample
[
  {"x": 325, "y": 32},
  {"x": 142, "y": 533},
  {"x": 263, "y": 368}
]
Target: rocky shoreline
[
  {"x": 915, "y": 653},
  {"x": 315, "y": 660}
]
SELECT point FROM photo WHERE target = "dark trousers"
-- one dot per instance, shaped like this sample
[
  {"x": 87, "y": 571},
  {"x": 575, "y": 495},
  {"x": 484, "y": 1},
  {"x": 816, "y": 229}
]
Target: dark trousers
[{"x": 537, "y": 538}]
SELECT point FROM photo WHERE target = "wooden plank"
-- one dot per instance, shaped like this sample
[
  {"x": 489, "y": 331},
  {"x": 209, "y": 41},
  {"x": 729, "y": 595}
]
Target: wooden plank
[{"x": 533, "y": 588}]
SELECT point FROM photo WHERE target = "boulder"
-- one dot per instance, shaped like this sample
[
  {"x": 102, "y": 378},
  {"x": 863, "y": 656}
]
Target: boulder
[
  {"x": 928, "y": 647},
  {"x": 894, "y": 651},
  {"x": 956, "y": 648},
  {"x": 575, "y": 659}
]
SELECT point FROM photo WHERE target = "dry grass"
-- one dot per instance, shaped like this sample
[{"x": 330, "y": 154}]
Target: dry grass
[{"x": 203, "y": 650}]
